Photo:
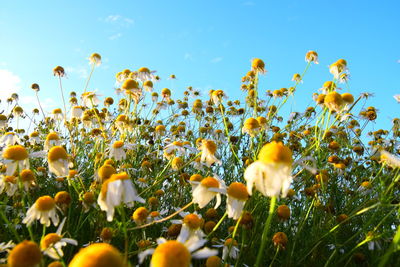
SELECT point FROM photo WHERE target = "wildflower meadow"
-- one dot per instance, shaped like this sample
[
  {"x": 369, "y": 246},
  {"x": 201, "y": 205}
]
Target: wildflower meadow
[{"x": 147, "y": 177}]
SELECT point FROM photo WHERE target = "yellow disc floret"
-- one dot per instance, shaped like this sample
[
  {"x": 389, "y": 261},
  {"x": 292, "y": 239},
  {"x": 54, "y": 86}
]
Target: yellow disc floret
[
  {"x": 25, "y": 254},
  {"x": 238, "y": 190},
  {"x": 171, "y": 253},
  {"x": 45, "y": 203},
  {"x": 275, "y": 152},
  {"x": 16, "y": 152},
  {"x": 56, "y": 153},
  {"x": 98, "y": 255}
]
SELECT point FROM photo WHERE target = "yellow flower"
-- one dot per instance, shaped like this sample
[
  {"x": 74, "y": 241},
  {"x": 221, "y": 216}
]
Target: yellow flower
[
  {"x": 43, "y": 209},
  {"x": 271, "y": 173},
  {"x": 98, "y": 255},
  {"x": 25, "y": 254}
]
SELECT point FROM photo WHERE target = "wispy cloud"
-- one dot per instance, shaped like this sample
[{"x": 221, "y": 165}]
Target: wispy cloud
[
  {"x": 10, "y": 83},
  {"x": 80, "y": 71},
  {"x": 188, "y": 56},
  {"x": 216, "y": 60},
  {"x": 115, "y": 36},
  {"x": 119, "y": 20}
]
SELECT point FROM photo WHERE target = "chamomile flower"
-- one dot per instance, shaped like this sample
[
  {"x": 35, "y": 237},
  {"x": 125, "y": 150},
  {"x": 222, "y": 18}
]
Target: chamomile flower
[
  {"x": 10, "y": 139},
  {"x": 95, "y": 59},
  {"x": 117, "y": 150},
  {"x": 52, "y": 139},
  {"x": 34, "y": 138},
  {"x": 191, "y": 226},
  {"x": 208, "y": 149},
  {"x": 90, "y": 99},
  {"x": 206, "y": 190},
  {"x": 98, "y": 254},
  {"x": 230, "y": 249},
  {"x": 43, "y": 209},
  {"x": 176, "y": 253},
  {"x": 51, "y": 244},
  {"x": 8, "y": 184},
  {"x": 236, "y": 199},
  {"x": 116, "y": 190},
  {"x": 58, "y": 161},
  {"x": 251, "y": 127},
  {"x": 15, "y": 156},
  {"x": 24, "y": 254},
  {"x": 271, "y": 173}
]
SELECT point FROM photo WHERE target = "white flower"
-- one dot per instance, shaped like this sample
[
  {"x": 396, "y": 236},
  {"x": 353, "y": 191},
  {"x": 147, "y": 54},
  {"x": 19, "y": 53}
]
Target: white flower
[
  {"x": 90, "y": 99},
  {"x": 271, "y": 173},
  {"x": 116, "y": 190},
  {"x": 206, "y": 190},
  {"x": 236, "y": 199},
  {"x": 9, "y": 139},
  {"x": 15, "y": 157},
  {"x": 176, "y": 253},
  {"x": 117, "y": 150},
  {"x": 397, "y": 97},
  {"x": 51, "y": 245},
  {"x": 43, "y": 209},
  {"x": 9, "y": 185},
  {"x": 208, "y": 149},
  {"x": 58, "y": 161},
  {"x": 191, "y": 227}
]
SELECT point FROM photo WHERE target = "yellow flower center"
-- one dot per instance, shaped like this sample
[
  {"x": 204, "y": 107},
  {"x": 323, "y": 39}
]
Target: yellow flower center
[
  {"x": 49, "y": 240},
  {"x": 88, "y": 198},
  {"x": 209, "y": 145},
  {"x": 10, "y": 179},
  {"x": 130, "y": 84},
  {"x": 45, "y": 203},
  {"x": 231, "y": 242},
  {"x": 98, "y": 255},
  {"x": 144, "y": 70},
  {"x": 16, "y": 152},
  {"x": 251, "y": 124},
  {"x": 210, "y": 182},
  {"x": 238, "y": 190},
  {"x": 56, "y": 153},
  {"x": 118, "y": 144},
  {"x": 62, "y": 197},
  {"x": 105, "y": 172},
  {"x": 275, "y": 152},
  {"x": 140, "y": 214},
  {"x": 52, "y": 136},
  {"x": 258, "y": 65},
  {"x": 196, "y": 177},
  {"x": 27, "y": 175},
  {"x": 26, "y": 253},
  {"x": 192, "y": 221},
  {"x": 171, "y": 253}
]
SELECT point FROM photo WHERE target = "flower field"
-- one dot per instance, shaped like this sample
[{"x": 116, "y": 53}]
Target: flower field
[{"x": 145, "y": 177}]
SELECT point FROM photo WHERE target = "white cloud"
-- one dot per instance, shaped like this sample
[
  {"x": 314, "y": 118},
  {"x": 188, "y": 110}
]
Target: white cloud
[
  {"x": 119, "y": 20},
  {"x": 80, "y": 71},
  {"x": 115, "y": 36},
  {"x": 216, "y": 60},
  {"x": 9, "y": 83}
]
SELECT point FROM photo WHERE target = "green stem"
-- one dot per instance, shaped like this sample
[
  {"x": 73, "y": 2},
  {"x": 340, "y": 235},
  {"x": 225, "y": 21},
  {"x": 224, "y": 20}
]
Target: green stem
[{"x": 264, "y": 237}]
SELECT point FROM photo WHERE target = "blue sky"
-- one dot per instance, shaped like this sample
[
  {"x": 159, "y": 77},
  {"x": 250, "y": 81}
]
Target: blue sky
[{"x": 206, "y": 44}]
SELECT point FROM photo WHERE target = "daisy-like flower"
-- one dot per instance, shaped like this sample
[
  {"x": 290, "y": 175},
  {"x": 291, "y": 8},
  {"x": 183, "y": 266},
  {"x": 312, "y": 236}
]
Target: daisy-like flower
[
  {"x": 8, "y": 184},
  {"x": 76, "y": 112},
  {"x": 312, "y": 56},
  {"x": 98, "y": 254},
  {"x": 52, "y": 139},
  {"x": 191, "y": 226},
  {"x": 3, "y": 121},
  {"x": 338, "y": 67},
  {"x": 34, "y": 138},
  {"x": 236, "y": 199},
  {"x": 206, "y": 190},
  {"x": 10, "y": 139},
  {"x": 177, "y": 253},
  {"x": 148, "y": 86},
  {"x": 231, "y": 249},
  {"x": 334, "y": 101},
  {"x": 51, "y": 244},
  {"x": 178, "y": 148},
  {"x": 15, "y": 157},
  {"x": 217, "y": 96},
  {"x": 26, "y": 253},
  {"x": 116, "y": 190},
  {"x": 117, "y": 150},
  {"x": 271, "y": 173},
  {"x": 95, "y": 59},
  {"x": 251, "y": 126},
  {"x": 43, "y": 209},
  {"x": 144, "y": 74},
  {"x": 90, "y": 99},
  {"x": 57, "y": 114},
  {"x": 208, "y": 149},
  {"x": 58, "y": 161},
  {"x": 258, "y": 65}
]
